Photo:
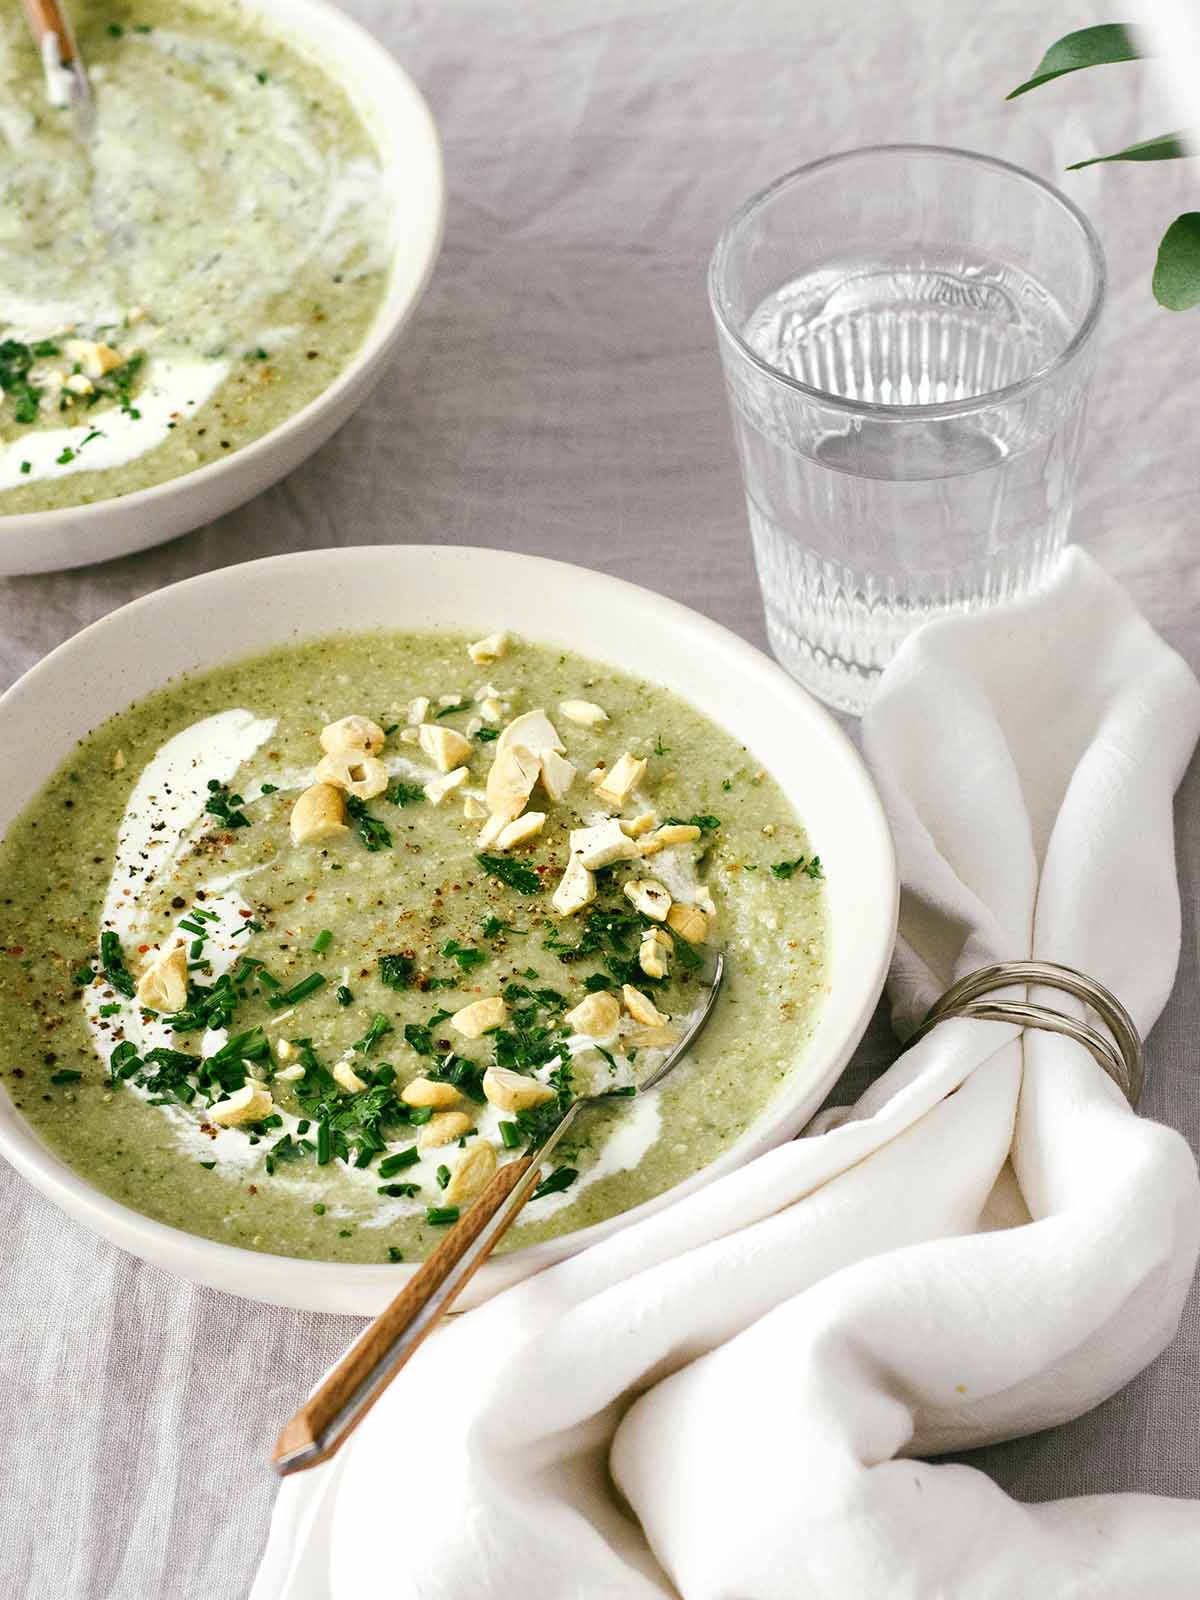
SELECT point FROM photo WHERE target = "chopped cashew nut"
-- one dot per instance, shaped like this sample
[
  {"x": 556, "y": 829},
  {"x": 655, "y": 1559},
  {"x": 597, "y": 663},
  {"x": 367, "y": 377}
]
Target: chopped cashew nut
[
  {"x": 427, "y": 1092},
  {"x": 705, "y": 901},
  {"x": 291, "y": 1074},
  {"x": 641, "y": 1008},
  {"x": 661, "y": 1038},
  {"x": 513, "y": 1091},
  {"x": 345, "y": 1076},
  {"x": 601, "y": 845},
  {"x": 95, "y": 359},
  {"x": 489, "y": 649},
  {"x": 474, "y": 1020},
  {"x": 352, "y": 733},
  {"x": 357, "y": 773},
  {"x": 649, "y": 897},
  {"x": 490, "y": 709},
  {"x": 654, "y": 953},
  {"x": 250, "y": 1103},
  {"x": 284, "y": 1049},
  {"x": 445, "y": 747},
  {"x": 491, "y": 831},
  {"x": 78, "y": 384},
  {"x": 670, "y": 833},
  {"x": 437, "y": 789},
  {"x": 473, "y": 1173},
  {"x": 443, "y": 1127},
  {"x": 583, "y": 713},
  {"x": 163, "y": 985},
  {"x": 576, "y": 889},
  {"x": 640, "y": 825},
  {"x": 598, "y": 1015},
  {"x": 418, "y": 709},
  {"x": 558, "y": 774},
  {"x": 409, "y": 735},
  {"x": 525, "y": 827},
  {"x": 474, "y": 810},
  {"x": 689, "y": 922},
  {"x": 532, "y": 731},
  {"x": 319, "y": 813},
  {"x": 510, "y": 780},
  {"x": 617, "y": 785}
]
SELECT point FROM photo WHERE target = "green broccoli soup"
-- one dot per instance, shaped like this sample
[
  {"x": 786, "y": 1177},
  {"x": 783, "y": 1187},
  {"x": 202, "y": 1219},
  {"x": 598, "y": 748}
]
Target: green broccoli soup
[
  {"x": 191, "y": 272},
  {"x": 297, "y": 952}
]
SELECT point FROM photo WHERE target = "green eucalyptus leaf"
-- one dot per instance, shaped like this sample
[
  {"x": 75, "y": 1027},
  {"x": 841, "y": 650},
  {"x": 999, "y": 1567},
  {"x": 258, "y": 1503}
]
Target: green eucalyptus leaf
[
  {"x": 1167, "y": 147},
  {"x": 1177, "y": 270},
  {"x": 1088, "y": 47}
]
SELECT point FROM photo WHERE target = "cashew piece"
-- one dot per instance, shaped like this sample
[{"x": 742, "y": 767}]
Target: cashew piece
[
  {"x": 163, "y": 985},
  {"x": 319, "y": 813},
  {"x": 352, "y": 733},
  {"x": 473, "y": 1173},
  {"x": 513, "y": 1091}
]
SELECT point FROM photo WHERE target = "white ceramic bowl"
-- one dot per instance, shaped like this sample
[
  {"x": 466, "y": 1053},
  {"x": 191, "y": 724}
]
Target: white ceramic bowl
[
  {"x": 401, "y": 125},
  {"x": 224, "y": 615}
]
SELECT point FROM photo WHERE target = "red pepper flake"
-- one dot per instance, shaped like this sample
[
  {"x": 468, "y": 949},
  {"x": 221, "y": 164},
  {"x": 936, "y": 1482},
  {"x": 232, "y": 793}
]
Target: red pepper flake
[
  {"x": 252, "y": 1188},
  {"x": 16, "y": 950}
]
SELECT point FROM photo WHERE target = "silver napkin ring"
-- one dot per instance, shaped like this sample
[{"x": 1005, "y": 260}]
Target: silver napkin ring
[{"x": 1121, "y": 1056}]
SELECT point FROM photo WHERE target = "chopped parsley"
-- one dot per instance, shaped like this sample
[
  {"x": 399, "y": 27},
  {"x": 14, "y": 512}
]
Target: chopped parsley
[
  {"x": 465, "y": 955},
  {"x": 513, "y": 874},
  {"x": 225, "y": 806},
  {"x": 706, "y": 822},
  {"x": 378, "y": 1028},
  {"x": 661, "y": 749},
  {"x": 370, "y": 830},
  {"x": 788, "y": 869},
  {"x": 487, "y": 735},
  {"x": 404, "y": 794},
  {"x": 396, "y": 970}
]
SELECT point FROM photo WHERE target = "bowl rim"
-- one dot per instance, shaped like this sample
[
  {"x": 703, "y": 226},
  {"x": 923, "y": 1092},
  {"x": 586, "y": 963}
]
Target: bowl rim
[
  {"x": 314, "y": 1284},
  {"x": 310, "y": 18}
]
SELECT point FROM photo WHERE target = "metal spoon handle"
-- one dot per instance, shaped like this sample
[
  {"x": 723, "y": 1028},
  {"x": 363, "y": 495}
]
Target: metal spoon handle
[{"x": 345, "y": 1395}]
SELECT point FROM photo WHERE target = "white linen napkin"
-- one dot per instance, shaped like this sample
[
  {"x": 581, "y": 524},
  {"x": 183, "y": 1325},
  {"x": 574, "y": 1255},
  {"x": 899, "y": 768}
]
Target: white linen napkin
[{"x": 730, "y": 1400}]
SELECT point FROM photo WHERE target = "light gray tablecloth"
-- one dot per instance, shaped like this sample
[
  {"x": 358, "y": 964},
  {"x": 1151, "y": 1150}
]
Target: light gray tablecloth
[{"x": 559, "y": 393}]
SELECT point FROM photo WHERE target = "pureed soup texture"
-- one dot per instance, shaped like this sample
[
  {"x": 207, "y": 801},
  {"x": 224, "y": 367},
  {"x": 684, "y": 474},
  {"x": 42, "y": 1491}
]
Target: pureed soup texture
[
  {"x": 300, "y": 950},
  {"x": 191, "y": 274}
]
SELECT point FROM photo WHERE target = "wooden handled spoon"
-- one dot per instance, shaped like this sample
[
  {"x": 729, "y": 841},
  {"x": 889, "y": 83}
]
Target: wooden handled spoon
[{"x": 347, "y": 1393}]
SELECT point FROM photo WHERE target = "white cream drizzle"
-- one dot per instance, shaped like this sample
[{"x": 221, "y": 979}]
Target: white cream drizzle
[{"x": 108, "y": 436}]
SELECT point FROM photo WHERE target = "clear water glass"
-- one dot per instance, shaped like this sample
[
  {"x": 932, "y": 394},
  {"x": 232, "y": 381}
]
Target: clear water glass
[{"x": 906, "y": 334}]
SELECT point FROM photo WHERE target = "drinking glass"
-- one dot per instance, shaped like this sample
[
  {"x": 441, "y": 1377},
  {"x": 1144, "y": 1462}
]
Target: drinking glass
[{"x": 906, "y": 336}]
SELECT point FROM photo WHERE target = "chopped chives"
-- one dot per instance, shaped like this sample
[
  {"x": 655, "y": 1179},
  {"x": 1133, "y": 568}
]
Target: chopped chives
[
  {"x": 344, "y": 996},
  {"x": 208, "y": 1165},
  {"x": 397, "y": 1162},
  {"x": 299, "y": 991},
  {"x": 510, "y": 1135},
  {"x": 398, "y": 1191},
  {"x": 395, "y": 1255},
  {"x": 443, "y": 1177},
  {"x": 82, "y": 976},
  {"x": 439, "y": 1216},
  {"x": 193, "y": 927},
  {"x": 318, "y": 1209},
  {"x": 65, "y": 1076},
  {"x": 322, "y": 942},
  {"x": 324, "y": 1144}
]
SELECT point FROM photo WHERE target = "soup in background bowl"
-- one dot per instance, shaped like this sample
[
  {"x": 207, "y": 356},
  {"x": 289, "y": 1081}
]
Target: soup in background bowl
[
  {"x": 195, "y": 290},
  {"x": 312, "y": 940}
]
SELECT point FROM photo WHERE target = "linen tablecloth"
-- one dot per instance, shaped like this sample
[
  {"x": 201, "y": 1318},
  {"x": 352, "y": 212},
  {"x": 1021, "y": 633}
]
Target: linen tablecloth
[{"x": 559, "y": 392}]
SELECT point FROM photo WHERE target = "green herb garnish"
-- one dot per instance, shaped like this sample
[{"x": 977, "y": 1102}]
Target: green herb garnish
[
  {"x": 112, "y": 959},
  {"x": 224, "y": 806},
  {"x": 404, "y": 794},
  {"x": 322, "y": 942},
  {"x": 439, "y": 1216},
  {"x": 65, "y": 1076},
  {"x": 513, "y": 874},
  {"x": 370, "y": 830},
  {"x": 562, "y": 1178},
  {"x": 465, "y": 955},
  {"x": 396, "y": 970},
  {"x": 788, "y": 869}
]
